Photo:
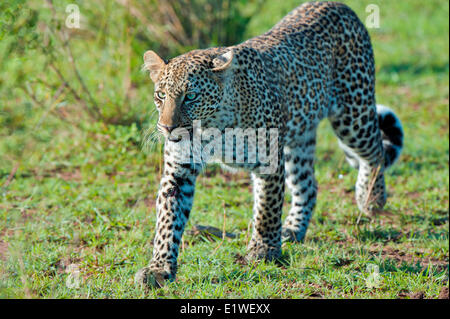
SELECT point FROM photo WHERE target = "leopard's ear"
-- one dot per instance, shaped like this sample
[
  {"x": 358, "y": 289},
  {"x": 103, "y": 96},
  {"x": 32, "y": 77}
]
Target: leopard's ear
[
  {"x": 154, "y": 64},
  {"x": 224, "y": 62}
]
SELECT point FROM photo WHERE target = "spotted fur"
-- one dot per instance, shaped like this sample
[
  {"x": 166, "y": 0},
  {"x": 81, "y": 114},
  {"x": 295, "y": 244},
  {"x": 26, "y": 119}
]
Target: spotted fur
[{"x": 315, "y": 63}]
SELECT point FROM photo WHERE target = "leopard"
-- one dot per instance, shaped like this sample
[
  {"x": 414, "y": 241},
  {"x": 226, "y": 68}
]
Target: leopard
[{"x": 316, "y": 63}]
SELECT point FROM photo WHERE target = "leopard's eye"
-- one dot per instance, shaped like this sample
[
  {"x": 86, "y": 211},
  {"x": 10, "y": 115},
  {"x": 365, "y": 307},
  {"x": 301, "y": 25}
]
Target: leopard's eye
[
  {"x": 190, "y": 96},
  {"x": 160, "y": 95}
]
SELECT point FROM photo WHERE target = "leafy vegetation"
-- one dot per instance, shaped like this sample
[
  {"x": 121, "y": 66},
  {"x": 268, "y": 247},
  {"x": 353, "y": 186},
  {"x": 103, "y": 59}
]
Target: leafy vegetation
[{"x": 77, "y": 193}]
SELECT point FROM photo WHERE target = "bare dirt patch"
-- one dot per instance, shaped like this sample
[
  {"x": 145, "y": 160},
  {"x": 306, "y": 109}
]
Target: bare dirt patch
[
  {"x": 68, "y": 174},
  {"x": 240, "y": 260},
  {"x": 400, "y": 256},
  {"x": 148, "y": 201},
  {"x": 443, "y": 294},
  {"x": 417, "y": 295},
  {"x": 3, "y": 250},
  {"x": 240, "y": 178}
]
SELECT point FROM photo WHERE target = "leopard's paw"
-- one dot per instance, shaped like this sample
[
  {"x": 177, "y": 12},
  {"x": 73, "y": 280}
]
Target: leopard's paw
[
  {"x": 150, "y": 277},
  {"x": 290, "y": 235},
  {"x": 260, "y": 251}
]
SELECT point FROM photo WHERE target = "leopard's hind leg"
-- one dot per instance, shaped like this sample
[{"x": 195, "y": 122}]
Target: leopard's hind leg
[
  {"x": 359, "y": 136},
  {"x": 372, "y": 141}
]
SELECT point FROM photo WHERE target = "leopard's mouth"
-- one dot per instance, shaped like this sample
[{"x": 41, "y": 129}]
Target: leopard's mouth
[
  {"x": 174, "y": 139},
  {"x": 179, "y": 133}
]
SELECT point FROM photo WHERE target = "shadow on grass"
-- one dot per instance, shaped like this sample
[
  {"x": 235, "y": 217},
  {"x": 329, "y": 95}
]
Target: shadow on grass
[
  {"x": 254, "y": 272},
  {"x": 284, "y": 261},
  {"x": 378, "y": 235},
  {"x": 392, "y": 265}
]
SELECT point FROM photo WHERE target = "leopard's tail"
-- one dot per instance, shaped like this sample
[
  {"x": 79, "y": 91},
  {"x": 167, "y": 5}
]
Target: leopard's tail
[{"x": 391, "y": 133}]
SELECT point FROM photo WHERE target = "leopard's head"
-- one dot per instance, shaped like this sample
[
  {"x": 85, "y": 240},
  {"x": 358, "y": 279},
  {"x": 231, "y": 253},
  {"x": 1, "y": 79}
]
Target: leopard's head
[{"x": 190, "y": 87}]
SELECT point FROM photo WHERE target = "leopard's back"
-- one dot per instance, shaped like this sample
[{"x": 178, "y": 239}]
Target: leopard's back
[{"x": 316, "y": 60}]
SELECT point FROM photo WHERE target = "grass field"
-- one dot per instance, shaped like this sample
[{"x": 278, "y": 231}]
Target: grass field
[{"x": 77, "y": 193}]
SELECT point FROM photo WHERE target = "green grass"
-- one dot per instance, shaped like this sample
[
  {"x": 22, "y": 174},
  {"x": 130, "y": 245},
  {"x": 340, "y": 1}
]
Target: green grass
[{"x": 84, "y": 194}]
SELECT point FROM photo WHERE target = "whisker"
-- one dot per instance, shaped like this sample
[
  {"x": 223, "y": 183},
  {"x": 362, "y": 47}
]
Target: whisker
[{"x": 151, "y": 138}]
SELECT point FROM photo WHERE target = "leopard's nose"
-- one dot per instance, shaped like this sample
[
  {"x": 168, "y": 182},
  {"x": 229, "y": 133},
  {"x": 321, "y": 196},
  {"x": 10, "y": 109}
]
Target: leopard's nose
[{"x": 166, "y": 128}]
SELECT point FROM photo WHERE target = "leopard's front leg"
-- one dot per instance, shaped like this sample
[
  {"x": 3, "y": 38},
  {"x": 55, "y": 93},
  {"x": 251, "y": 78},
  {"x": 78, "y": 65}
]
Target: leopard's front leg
[
  {"x": 173, "y": 207},
  {"x": 267, "y": 210}
]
